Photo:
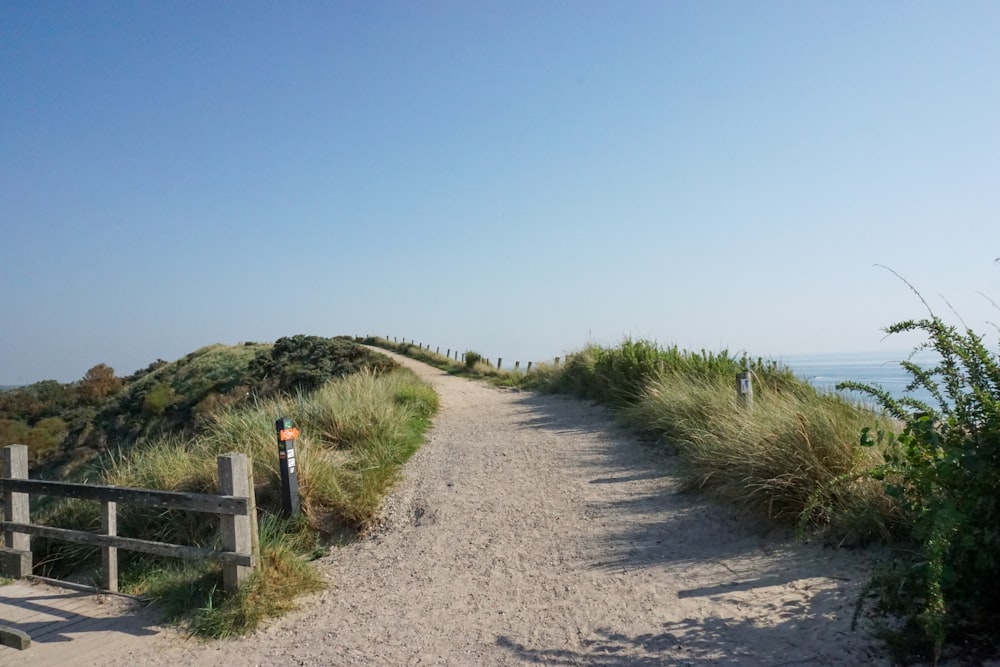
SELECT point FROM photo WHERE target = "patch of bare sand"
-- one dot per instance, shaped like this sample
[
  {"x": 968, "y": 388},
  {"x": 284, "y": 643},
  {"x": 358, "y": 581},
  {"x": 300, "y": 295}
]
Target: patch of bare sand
[{"x": 529, "y": 529}]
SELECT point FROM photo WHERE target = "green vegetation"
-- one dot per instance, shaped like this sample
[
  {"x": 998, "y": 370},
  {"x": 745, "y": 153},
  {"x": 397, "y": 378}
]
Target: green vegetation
[
  {"x": 360, "y": 416},
  {"x": 102, "y": 412},
  {"x": 304, "y": 363},
  {"x": 41, "y": 416},
  {"x": 944, "y": 469},
  {"x": 792, "y": 457},
  {"x": 620, "y": 375},
  {"x": 471, "y": 359}
]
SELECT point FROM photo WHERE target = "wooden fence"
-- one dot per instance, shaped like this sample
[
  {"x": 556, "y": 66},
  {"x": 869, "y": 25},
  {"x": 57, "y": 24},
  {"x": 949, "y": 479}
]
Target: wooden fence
[
  {"x": 235, "y": 504},
  {"x": 448, "y": 354}
]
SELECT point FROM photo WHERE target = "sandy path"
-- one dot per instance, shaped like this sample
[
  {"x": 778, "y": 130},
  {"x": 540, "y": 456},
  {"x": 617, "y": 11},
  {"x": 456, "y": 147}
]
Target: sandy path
[{"x": 530, "y": 530}]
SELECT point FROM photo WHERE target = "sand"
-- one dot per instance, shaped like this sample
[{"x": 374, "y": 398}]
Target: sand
[{"x": 530, "y": 529}]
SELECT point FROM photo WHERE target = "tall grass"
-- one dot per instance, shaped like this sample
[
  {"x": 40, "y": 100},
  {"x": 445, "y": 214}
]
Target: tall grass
[
  {"x": 619, "y": 375},
  {"x": 356, "y": 432},
  {"x": 793, "y": 458},
  {"x": 190, "y": 591}
]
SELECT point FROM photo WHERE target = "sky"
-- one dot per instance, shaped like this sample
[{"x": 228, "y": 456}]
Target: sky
[{"x": 519, "y": 178}]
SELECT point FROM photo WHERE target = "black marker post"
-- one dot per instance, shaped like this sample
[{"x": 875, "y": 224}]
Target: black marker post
[{"x": 286, "y": 459}]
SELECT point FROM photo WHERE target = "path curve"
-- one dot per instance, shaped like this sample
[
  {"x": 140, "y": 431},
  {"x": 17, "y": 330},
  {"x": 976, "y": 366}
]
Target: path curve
[{"x": 529, "y": 529}]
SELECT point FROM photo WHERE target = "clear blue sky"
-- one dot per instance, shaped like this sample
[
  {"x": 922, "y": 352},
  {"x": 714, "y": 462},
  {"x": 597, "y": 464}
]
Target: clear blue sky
[{"x": 517, "y": 178}]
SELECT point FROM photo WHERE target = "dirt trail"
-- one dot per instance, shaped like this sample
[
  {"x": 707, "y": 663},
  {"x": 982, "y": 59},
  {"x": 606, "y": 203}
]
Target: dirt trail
[{"x": 531, "y": 530}]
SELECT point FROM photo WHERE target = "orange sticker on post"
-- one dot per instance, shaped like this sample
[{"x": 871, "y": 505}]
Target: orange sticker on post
[{"x": 288, "y": 434}]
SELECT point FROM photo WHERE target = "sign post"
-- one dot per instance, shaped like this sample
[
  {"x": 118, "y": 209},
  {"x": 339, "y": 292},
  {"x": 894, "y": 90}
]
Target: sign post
[
  {"x": 744, "y": 389},
  {"x": 287, "y": 434}
]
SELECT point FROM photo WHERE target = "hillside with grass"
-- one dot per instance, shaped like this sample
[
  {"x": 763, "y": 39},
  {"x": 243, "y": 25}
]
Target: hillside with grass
[
  {"x": 69, "y": 426},
  {"x": 360, "y": 415}
]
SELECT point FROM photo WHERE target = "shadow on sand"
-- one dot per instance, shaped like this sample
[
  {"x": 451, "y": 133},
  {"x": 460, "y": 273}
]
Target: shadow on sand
[{"x": 653, "y": 524}]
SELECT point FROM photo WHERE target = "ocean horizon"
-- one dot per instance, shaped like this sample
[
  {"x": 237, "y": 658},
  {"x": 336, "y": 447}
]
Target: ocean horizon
[{"x": 826, "y": 371}]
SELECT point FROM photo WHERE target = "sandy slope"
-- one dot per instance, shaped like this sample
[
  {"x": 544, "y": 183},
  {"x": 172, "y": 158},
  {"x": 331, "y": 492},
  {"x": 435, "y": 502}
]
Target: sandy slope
[{"x": 530, "y": 530}]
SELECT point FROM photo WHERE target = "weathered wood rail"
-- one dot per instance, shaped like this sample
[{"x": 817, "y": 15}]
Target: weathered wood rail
[{"x": 235, "y": 505}]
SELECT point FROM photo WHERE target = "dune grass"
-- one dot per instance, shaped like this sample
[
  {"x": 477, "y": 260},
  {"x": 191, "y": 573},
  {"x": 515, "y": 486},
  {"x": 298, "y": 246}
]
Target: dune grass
[
  {"x": 794, "y": 457},
  {"x": 356, "y": 432}
]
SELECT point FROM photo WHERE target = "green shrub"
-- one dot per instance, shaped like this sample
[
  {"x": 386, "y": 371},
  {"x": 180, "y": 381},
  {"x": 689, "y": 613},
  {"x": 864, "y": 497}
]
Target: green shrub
[
  {"x": 471, "y": 359},
  {"x": 945, "y": 469},
  {"x": 304, "y": 363},
  {"x": 158, "y": 399},
  {"x": 45, "y": 438}
]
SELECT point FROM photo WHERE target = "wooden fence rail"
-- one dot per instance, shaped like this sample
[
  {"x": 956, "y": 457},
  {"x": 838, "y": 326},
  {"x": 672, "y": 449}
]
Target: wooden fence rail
[{"x": 235, "y": 504}]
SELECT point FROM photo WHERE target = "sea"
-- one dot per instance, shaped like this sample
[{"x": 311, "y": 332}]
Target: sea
[{"x": 825, "y": 371}]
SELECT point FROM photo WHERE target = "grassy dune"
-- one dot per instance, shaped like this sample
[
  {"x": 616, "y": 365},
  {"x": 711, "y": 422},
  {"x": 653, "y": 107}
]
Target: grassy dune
[{"x": 356, "y": 431}]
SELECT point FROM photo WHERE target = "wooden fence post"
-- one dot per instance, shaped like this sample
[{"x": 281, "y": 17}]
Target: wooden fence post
[
  {"x": 517, "y": 365},
  {"x": 233, "y": 481},
  {"x": 499, "y": 362},
  {"x": 252, "y": 511},
  {"x": 529, "y": 366},
  {"x": 109, "y": 555},
  {"x": 17, "y": 546}
]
